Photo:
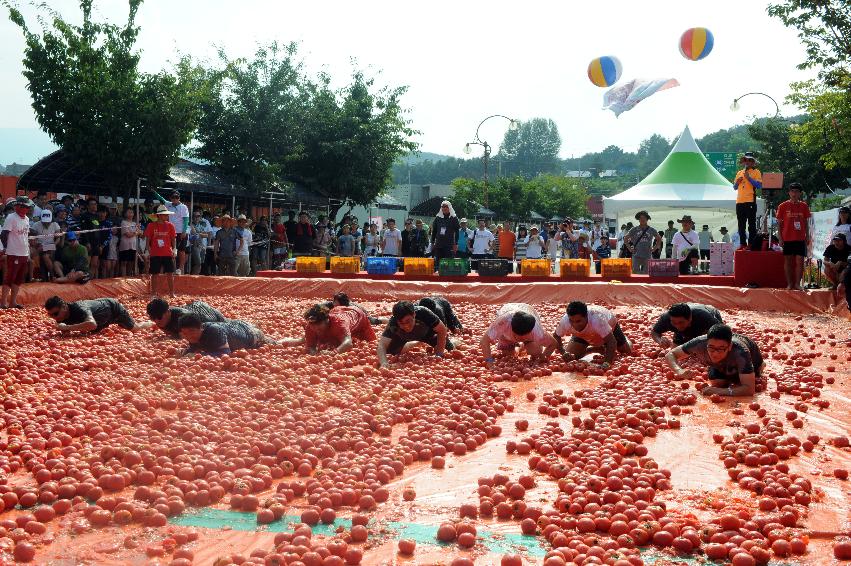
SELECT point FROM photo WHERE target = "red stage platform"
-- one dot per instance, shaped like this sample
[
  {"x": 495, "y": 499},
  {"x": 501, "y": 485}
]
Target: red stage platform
[{"x": 716, "y": 280}]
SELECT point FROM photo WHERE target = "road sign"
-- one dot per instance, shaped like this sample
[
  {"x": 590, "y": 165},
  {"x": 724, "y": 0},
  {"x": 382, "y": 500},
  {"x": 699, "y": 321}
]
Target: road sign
[{"x": 726, "y": 162}]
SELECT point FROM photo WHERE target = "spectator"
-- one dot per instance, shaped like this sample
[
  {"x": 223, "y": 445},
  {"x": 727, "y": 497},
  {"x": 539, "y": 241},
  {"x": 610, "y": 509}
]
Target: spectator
[
  {"x": 419, "y": 240},
  {"x": 583, "y": 248},
  {"x": 620, "y": 237},
  {"x": 391, "y": 240},
  {"x": 603, "y": 251},
  {"x": 407, "y": 233},
  {"x": 225, "y": 245},
  {"x": 48, "y": 231},
  {"x": 260, "y": 249},
  {"x": 669, "y": 233},
  {"x": 303, "y": 235},
  {"x": 40, "y": 204},
  {"x": 91, "y": 237},
  {"x": 324, "y": 236},
  {"x": 482, "y": 241},
  {"x": 243, "y": 248},
  {"x": 725, "y": 236},
  {"x": 685, "y": 246},
  {"x": 520, "y": 245},
  {"x": 290, "y": 225},
  {"x": 209, "y": 267},
  {"x": 444, "y": 233},
  {"x": 74, "y": 218},
  {"x": 346, "y": 242},
  {"x": 128, "y": 244},
  {"x": 706, "y": 238},
  {"x": 793, "y": 218},
  {"x": 14, "y": 238},
  {"x": 569, "y": 240},
  {"x": 836, "y": 259},
  {"x": 72, "y": 265},
  {"x": 90, "y": 316},
  {"x": 598, "y": 232},
  {"x": 180, "y": 221},
  {"x": 107, "y": 260},
  {"x": 279, "y": 241},
  {"x": 465, "y": 240},
  {"x": 552, "y": 243},
  {"x": 843, "y": 223},
  {"x": 747, "y": 181},
  {"x": 534, "y": 244},
  {"x": 642, "y": 241},
  {"x": 372, "y": 241},
  {"x": 161, "y": 240},
  {"x": 199, "y": 236},
  {"x": 60, "y": 216},
  {"x": 507, "y": 239}
]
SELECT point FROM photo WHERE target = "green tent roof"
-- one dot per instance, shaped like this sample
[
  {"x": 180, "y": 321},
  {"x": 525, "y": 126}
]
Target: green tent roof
[{"x": 685, "y": 165}]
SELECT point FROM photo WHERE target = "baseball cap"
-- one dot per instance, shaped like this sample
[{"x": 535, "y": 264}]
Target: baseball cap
[
  {"x": 71, "y": 235},
  {"x": 46, "y": 216},
  {"x": 840, "y": 236}
]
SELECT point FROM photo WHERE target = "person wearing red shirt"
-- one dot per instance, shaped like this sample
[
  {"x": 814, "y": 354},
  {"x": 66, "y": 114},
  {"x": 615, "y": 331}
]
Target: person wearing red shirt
[
  {"x": 336, "y": 327},
  {"x": 161, "y": 237},
  {"x": 793, "y": 220}
]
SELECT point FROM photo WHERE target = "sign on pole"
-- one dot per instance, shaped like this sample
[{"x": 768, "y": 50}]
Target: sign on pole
[{"x": 725, "y": 162}]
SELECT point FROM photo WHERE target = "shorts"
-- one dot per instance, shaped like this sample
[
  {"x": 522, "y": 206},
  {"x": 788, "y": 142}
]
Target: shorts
[
  {"x": 704, "y": 254},
  {"x": 396, "y": 345},
  {"x": 182, "y": 243},
  {"x": 16, "y": 270},
  {"x": 127, "y": 255},
  {"x": 795, "y": 248},
  {"x": 161, "y": 264},
  {"x": 620, "y": 337}
]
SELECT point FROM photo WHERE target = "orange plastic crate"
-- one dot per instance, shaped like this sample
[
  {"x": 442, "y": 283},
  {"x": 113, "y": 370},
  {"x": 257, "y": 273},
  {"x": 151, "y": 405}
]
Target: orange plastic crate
[
  {"x": 309, "y": 264},
  {"x": 345, "y": 264},
  {"x": 616, "y": 267},
  {"x": 575, "y": 268},
  {"x": 535, "y": 267},
  {"x": 419, "y": 266}
]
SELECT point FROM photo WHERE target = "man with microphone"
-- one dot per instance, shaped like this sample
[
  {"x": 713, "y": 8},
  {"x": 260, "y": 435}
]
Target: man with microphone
[{"x": 747, "y": 181}]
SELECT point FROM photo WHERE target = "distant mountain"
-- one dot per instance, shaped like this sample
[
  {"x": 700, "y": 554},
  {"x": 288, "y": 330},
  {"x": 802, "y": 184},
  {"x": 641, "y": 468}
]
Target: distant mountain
[{"x": 417, "y": 158}]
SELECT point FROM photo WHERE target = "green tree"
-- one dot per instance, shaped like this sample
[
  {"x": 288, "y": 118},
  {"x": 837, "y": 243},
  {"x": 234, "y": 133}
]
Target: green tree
[
  {"x": 515, "y": 197},
  {"x": 351, "y": 138},
  {"x": 554, "y": 195},
  {"x": 90, "y": 97},
  {"x": 651, "y": 152},
  {"x": 827, "y": 133},
  {"x": 532, "y": 148},
  {"x": 250, "y": 125},
  {"x": 735, "y": 139}
]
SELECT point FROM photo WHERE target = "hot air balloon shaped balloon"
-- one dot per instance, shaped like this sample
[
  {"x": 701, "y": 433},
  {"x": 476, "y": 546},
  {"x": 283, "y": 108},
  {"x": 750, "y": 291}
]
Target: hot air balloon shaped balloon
[
  {"x": 604, "y": 71},
  {"x": 696, "y": 43}
]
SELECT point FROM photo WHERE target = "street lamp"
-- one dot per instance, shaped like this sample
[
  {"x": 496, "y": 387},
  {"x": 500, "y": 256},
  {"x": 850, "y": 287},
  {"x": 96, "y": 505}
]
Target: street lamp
[
  {"x": 735, "y": 105},
  {"x": 513, "y": 125}
]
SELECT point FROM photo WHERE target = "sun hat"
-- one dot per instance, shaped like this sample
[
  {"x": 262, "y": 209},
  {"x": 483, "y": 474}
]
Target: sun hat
[
  {"x": 161, "y": 209},
  {"x": 686, "y": 218},
  {"x": 642, "y": 213}
]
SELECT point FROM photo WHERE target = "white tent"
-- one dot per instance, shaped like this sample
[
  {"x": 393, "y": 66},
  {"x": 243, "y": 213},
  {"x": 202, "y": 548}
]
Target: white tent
[{"x": 684, "y": 183}]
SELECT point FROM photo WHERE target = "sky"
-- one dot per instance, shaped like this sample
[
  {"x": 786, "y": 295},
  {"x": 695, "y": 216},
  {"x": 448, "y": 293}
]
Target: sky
[{"x": 463, "y": 61}]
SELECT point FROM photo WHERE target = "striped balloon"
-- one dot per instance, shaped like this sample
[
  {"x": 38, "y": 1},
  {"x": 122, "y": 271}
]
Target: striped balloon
[
  {"x": 604, "y": 71},
  {"x": 696, "y": 43}
]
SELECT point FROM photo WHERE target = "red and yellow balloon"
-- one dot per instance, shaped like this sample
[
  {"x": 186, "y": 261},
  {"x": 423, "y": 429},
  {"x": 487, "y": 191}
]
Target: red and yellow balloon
[{"x": 696, "y": 43}]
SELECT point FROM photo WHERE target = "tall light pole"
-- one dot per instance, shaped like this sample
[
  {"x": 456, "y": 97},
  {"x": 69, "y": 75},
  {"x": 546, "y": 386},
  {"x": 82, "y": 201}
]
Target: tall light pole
[
  {"x": 513, "y": 125},
  {"x": 735, "y": 105}
]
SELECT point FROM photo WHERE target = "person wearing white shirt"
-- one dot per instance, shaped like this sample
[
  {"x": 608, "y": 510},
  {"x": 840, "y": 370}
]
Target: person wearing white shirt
[
  {"x": 517, "y": 323},
  {"x": 391, "y": 241},
  {"x": 47, "y": 231},
  {"x": 180, "y": 220},
  {"x": 534, "y": 244},
  {"x": 686, "y": 245},
  {"x": 591, "y": 329},
  {"x": 482, "y": 241},
  {"x": 14, "y": 237},
  {"x": 243, "y": 262}
]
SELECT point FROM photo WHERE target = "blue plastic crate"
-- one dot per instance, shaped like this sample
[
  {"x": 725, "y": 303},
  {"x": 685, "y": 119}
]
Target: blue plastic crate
[{"x": 381, "y": 265}]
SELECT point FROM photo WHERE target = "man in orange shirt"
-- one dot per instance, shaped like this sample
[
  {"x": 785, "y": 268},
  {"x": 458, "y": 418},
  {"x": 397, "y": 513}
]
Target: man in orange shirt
[
  {"x": 747, "y": 181},
  {"x": 507, "y": 239},
  {"x": 793, "y": 220}
]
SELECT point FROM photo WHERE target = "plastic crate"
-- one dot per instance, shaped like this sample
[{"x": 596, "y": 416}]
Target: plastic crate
[
  {"x": 616, "y": 267},
  {"x": 664, "y": 268},
  {"x": 381, "y": 265},
  {"x": 453, "y": 267},
  {"x": 419, "y": 266},
  {"x": 493, "y": 267},
  {"x": 535, "y": 268},
  {"x": 345, "y": 264},
  {"x": 309, "y": 264},
  {"x": 575, "y": 268}
]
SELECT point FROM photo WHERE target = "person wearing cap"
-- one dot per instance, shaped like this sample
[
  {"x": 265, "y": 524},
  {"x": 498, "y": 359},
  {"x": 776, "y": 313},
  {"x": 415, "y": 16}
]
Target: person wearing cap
[
  {"x": 793, "y": 218},
  {"x": 836, "y": 259},
  {"x": 15, "y": 246},
  {"x": 706, "y": 239},
  {"x": 465, "y": 239},
  {"x": 179, "y": 218},
  {"x": 748, "y": 179},
  {"x": 517, "y": 324},
  {"x": 445, "y": 233},
  {"x": 686, "y": 244},
  {"x": 335, "y": 327},
  {"x": 48, "y": 232},
  {"x": 642, "y": 241},
  {"x": 243, "y": 250},
  {"x": 225, "y": 244},
  {"x": 725, "y": 236},
  {"x": 162, "y": 241},
  {"x": 90, "y": 316},
  {"x": 72, "y": 262},
  {"x": 669, "y": 234}
]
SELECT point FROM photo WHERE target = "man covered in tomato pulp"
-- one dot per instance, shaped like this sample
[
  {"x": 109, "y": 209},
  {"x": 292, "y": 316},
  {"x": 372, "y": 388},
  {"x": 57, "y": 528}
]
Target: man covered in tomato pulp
[
  {"x": 220, "y": 338},
  {"x": 161, "y": 237},
  {"x": 591, "y": 329},
  {"x": 334, "y": 327},
  {"x": 412, "y": 324},
  {"x": 167, "y": 318},
  {"x": 90, "y": 316},
  {"x": 517, "y": 324}
]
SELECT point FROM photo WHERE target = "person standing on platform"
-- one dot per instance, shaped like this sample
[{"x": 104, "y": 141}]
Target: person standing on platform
[
  {"x": 243, "y": 248},
  {"x": 569, "y": 239},
  {"x": 407, "y": 232},
  {"x": 465, "y": 239},
  {"x": 706, "y": 238},
  {"x": 444, "y": 233},
  {"x": 535, "y": 244},
  {"x": 482, "y": 241},
  {"x": 303, "y": 235},
  {"x": 793, "y": 218},
  {"x": 180, "y": 219},
  {"x": 391, "y": 240},
  {"x": 290, "y": 226},
  {"x": 507, "y": 239},
  {"x": 843, "y": 224},
  {"x": 725, "y": 235},
  {"x": 642, "y": 241},
  {"x": 161, "y": 239},
  {"x": 748, "y": 179},
  {"x": 685, "y": 246},
  {"x": 670, "y": 232},
  {"x": 15, "y": 245}
]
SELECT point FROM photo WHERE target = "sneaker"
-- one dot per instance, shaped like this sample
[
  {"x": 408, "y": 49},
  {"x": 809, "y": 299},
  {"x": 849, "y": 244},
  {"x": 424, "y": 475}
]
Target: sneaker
[{"x": 178, "y": 272}]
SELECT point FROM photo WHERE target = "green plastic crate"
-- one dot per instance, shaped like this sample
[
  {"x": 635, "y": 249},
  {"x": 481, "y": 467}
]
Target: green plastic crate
[{"x": 453, "y": 267}]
